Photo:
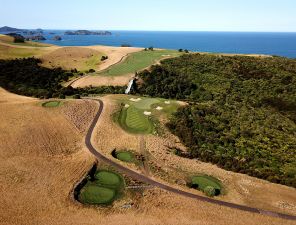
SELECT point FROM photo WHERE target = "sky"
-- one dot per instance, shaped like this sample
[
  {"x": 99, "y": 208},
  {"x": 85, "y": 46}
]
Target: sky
[{"x": 156, "y": 15}]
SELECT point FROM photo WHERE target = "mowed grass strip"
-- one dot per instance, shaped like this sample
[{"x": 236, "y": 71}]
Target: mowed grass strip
[{"x": 138, "y": 61}]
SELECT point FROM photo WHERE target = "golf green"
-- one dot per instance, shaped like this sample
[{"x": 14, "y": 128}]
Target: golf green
[
  {"x": 108, "y": 179},
  {"x": 93, "y": 194},
  {"x": 51, "y": 104},
  {"x": 103, "y": 187},
  {"x": 125, "y": 156},
  {"x": 204, "y": 181},
  {"x": 133, "y": 120}
]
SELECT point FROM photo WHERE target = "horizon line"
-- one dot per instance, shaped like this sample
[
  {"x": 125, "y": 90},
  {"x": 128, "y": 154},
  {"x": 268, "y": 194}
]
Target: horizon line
[{"x": 148, "y": 30}]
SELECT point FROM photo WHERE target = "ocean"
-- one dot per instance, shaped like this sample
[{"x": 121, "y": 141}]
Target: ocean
[{"x": 281, "y": 44}]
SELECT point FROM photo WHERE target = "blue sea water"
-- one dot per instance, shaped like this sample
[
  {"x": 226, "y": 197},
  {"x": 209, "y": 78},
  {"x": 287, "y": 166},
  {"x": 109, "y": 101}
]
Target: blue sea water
[{"x": 281, "y": 44}]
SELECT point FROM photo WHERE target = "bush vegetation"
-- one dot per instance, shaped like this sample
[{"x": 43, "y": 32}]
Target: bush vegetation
[
  {"x": 242, "y": 111},
  {"x": 27, "y": 77}
]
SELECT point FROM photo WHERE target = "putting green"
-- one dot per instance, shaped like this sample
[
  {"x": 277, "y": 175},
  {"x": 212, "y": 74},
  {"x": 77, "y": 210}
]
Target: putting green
[
  {"x": 125, "y": 156},
  {"x": 93, "y": 194},
  {"x": 102, "y": 188},
  {"x": 146, "y": 103},
  {"x": 107, "y": 179},
  {"x": 133, "y": 120},
  {"x": 51, "y": 104},
  {"x": 202, "y": 182}
]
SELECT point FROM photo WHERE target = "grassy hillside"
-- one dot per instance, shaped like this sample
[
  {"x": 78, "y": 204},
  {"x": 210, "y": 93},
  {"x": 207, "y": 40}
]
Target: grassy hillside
[
  {"x": 242, "y": 115},
  {"x": 10, "y": 40},
  {"x": 80, "y": 58},
  {"x": 11, "y": 50}
]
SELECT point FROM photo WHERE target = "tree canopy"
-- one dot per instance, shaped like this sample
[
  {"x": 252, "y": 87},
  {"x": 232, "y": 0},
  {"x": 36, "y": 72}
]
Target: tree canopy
[{"x": 242, "y": 111}]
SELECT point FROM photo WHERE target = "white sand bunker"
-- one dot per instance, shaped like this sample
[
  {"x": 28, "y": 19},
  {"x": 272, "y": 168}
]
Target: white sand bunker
[
  {"x": 135, "y": 99},
  {"x": 167, "y": 102},
  {"x": 159, "y": 108},
  {"x": 147, "y": 113},
  {"x": 126, "y": 105},
  {"x": 166, "y": 55}
]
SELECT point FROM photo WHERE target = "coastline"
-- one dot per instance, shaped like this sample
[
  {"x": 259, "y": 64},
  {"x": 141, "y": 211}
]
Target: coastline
[{"x": 245, "y": 43}]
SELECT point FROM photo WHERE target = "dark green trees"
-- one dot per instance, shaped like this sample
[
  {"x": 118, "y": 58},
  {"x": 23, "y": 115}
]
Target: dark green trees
[{"x": 241, "y": 113}]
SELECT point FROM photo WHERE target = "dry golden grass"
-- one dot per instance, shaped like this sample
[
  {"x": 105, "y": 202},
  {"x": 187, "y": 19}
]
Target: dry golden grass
[
  {"x": 42, "y": 157},
  {"x": 12, "y": 52},
  {"x": 6, "y": 38},
  {"x": 81, "y": 113},
  {"x": 97, "y": 81},
  {"x": 80, "y": 58},
  {"x": 115, "y": 55}
]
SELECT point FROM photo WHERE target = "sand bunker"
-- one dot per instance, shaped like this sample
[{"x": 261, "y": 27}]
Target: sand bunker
[
  {"x": 135, "y": 99},
  {"x": 167, "y": 102},
  {"x": 147, "y": 113},
  {"x": 126, "y": 105},
  {"x": 159, "y": 108}
]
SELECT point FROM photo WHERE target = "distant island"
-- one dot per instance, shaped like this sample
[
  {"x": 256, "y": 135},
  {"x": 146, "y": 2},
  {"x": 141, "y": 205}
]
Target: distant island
[
  {"x": 35, "y": 38},
  {"x": 57, "y": 38},
  {"x": 87, "y": 32},
  {"x": 10, "y": 29},
  {"x": 32, "y": 32}
]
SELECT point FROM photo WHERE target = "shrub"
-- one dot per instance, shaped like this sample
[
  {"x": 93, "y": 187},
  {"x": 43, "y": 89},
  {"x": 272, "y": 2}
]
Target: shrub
[
  {"x": 210, "y": 191},
  {"x": 61, "y": 96},
  {"x": 77, "y": 96},
  {"x": 104, "y": 58}
]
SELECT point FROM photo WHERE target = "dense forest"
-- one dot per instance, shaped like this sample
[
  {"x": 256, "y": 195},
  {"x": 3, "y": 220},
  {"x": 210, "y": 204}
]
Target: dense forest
[
  {"x": 27, "y": 77},
  {"x": 241, "y": 113}
]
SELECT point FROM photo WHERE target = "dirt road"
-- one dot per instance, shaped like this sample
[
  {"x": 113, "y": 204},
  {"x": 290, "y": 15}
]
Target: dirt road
[{"x": 150, "y": 181}]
